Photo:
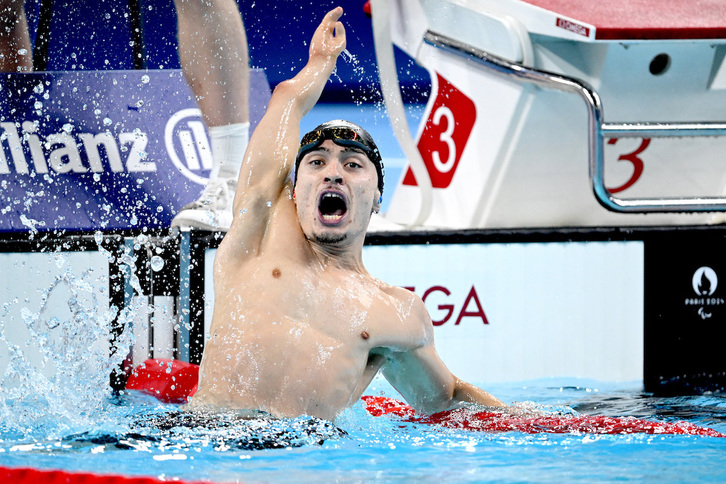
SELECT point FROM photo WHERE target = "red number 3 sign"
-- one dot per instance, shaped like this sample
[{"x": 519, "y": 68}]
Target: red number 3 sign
[
  {"x": 635, "y": 160},
  {"x": 445, "y": 134}
]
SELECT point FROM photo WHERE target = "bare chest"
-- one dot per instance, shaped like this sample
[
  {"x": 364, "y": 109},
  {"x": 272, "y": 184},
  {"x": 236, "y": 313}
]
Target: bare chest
[{"x": 349, "y": 308}]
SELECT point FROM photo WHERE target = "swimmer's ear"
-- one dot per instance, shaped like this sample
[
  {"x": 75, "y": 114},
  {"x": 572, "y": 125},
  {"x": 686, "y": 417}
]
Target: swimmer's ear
[{"x": 377, "y": 202}]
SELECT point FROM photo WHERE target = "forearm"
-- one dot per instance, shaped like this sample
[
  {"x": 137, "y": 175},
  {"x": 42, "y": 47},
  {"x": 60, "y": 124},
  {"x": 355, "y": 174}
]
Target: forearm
[
  {"x": 307, "y": 86},
  {"x": 466, "y": 392},
  {"x": 273, "y": 146},
  {"x": 279, "y": 129},
  {"x": 328, "y": 42}
]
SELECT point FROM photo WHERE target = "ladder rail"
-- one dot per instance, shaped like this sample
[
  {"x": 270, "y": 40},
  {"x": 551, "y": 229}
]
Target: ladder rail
[{"x": 597, "y": 129}]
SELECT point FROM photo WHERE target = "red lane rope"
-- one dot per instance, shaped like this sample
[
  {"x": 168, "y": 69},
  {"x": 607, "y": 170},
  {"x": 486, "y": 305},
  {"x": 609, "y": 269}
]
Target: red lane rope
[
  {"x": 174, "y": 381},
  {"x": 466, "y": 419},
  {"x": 35, "y": 476}
]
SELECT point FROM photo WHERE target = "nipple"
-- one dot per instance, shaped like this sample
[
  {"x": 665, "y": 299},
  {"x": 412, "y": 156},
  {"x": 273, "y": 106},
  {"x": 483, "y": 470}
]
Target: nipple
[
  {"x": 364, "y": 335},
  {"x": 276, "y": 273}
]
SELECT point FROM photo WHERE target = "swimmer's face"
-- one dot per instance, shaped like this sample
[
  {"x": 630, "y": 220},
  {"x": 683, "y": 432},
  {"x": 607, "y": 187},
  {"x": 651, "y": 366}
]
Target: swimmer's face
[{"x": 335, "y": 193}]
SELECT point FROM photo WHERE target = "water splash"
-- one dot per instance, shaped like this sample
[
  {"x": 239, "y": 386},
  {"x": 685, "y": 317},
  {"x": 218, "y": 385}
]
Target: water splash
[{"x": 58, "y": 380}]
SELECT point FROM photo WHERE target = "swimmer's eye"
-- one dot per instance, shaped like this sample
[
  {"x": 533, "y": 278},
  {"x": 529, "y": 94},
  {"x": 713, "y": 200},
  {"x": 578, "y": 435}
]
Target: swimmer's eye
[
  {"x": 315, "y": 161},
  {"x": 354, "y": 164}
]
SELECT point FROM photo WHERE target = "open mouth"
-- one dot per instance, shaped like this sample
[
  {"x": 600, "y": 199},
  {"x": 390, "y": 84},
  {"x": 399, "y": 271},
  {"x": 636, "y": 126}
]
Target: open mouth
[{"x": 332, "y": 207}]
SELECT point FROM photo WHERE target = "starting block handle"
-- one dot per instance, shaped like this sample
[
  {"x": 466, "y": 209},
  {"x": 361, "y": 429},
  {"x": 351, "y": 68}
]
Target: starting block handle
[{"x": 597, "y": 128}]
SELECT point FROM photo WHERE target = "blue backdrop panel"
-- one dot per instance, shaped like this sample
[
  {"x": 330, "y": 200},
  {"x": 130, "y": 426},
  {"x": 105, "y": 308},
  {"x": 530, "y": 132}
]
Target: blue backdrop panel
[
  {"x": 97, "y": 36},
  {"x": 110, "y": 150}
]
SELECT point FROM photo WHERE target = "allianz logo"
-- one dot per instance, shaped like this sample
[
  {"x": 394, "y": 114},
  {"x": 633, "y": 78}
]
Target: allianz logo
[{"x": 185, "y": 140}]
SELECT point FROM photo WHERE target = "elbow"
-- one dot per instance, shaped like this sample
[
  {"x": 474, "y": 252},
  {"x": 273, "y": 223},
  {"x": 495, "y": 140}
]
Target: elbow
[
  {"x": 284, "y": 90},
  {"x": 439, "y": 401}
]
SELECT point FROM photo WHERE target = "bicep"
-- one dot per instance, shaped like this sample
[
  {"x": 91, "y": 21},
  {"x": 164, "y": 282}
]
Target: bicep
[
  {"x": 263, "y": 187},
  {"x": 272, "y": 149},
  {"x": 255, "y": 220}
]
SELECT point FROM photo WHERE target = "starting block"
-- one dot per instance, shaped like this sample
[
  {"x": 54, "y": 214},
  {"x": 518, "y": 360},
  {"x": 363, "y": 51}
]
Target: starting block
[{"x": 506, "y": 139}]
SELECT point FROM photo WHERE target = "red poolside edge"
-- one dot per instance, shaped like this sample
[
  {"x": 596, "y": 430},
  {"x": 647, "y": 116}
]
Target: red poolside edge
[
  {"x": 645, "y": 19},
  {"x": 23, "y": 475}
]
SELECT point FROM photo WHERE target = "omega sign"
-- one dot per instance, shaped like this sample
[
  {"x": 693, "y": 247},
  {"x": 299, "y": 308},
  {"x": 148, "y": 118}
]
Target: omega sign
[{"x": 450, "y": 306}]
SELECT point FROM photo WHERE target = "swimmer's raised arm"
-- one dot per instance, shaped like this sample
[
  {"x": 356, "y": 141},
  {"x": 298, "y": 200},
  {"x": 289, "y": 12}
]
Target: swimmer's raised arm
[
  {"x": 425, "y": 381},
  {"x": 273, "y": 147}
]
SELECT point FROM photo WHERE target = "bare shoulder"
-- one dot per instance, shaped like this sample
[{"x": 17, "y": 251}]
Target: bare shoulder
[
  {"x": 411, "y": 311},
  {"x": 403, "y": 295}
]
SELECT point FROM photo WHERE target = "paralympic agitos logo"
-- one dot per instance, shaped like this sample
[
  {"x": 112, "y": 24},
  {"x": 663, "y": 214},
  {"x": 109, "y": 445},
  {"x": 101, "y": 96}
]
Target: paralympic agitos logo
[{"x": 704, "y": 283}]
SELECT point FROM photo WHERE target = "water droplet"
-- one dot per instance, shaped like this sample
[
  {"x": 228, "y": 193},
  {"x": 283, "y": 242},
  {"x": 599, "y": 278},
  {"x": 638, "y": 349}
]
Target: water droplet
[
  {"x": 145, "y": 79},
  {"x": 157, "y": 263},
  {"x": 107, "y": 121}
]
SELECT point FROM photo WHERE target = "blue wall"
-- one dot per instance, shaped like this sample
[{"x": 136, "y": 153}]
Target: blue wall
[{"x": 96, "y": 35}]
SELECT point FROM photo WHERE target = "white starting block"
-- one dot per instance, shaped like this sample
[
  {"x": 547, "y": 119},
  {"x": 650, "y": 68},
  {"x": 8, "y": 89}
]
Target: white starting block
[{"x": 548, "y": 113}]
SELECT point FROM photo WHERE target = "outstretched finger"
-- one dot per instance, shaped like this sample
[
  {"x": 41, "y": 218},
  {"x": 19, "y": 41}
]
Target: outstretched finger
[
  {"x": 330, "y": 22},
  {"x": 340, "y": 31},
  {"x": 334, "y": 15}
]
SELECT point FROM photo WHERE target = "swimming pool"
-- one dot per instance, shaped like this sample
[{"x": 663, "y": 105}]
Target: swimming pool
[
  {"x": 58, "y": 412},
  {"x": 35, "y": 434}
]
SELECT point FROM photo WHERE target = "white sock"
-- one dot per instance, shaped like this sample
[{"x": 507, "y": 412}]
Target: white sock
[{"x": 229, "y": 143}]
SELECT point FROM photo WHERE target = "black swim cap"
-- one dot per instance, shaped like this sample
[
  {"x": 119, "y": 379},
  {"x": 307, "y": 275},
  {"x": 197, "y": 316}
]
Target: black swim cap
[{"x": 342, "y": 133}]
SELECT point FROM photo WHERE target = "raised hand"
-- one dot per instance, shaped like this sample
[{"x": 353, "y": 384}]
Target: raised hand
[{"x": 329, "y": 38}]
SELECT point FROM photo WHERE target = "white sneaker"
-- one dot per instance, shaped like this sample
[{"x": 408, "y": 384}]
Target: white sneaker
[{"x": 212, "y": 210}]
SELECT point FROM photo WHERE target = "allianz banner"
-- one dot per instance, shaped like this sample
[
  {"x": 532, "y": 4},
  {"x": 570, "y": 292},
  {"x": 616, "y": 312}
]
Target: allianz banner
[{"x": 110, "y": 150}]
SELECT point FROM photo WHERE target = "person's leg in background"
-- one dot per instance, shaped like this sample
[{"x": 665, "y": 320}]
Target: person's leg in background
[
  {"x": 16, "y": 51},
  {"x": 215, "y": 60}
]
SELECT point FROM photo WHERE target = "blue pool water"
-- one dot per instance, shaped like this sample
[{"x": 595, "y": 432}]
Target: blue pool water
[{"x": 380, "y": 449}]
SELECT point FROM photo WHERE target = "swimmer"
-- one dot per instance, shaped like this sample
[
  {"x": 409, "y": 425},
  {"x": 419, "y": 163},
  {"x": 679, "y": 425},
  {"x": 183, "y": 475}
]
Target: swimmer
[{"x": 299, "y": 326}]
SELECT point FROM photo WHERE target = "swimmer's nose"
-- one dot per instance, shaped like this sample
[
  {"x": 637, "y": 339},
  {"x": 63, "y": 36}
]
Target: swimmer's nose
[
  {"x": 334, "y": 179},
  {"x": 333, "y": 174}
]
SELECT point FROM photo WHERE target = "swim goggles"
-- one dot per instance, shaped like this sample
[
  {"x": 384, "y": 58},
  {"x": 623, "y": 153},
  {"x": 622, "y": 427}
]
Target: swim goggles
[{"x": 340, "y": 136}]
